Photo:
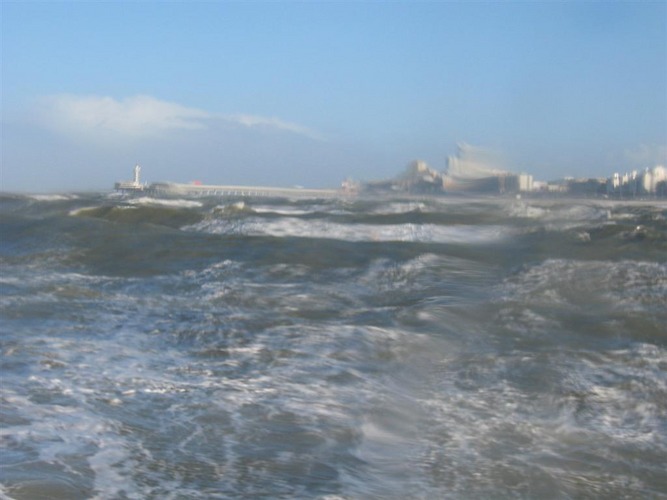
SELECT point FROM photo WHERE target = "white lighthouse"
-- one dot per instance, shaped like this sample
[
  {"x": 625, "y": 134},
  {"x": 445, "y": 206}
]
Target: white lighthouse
[{"x": 133, "y": 185}]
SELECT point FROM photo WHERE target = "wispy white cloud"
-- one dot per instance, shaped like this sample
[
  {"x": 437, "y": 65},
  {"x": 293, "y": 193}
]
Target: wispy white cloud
[
  {"x": 100, "y": 117},
  {"x": 137, "y": 116}
]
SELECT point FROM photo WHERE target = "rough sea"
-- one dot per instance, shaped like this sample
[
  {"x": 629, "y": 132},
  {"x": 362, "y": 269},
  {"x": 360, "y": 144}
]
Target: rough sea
[{"x": 217, "y": 348}]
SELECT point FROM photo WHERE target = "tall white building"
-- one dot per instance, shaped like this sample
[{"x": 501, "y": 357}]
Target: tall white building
[
  {"x": 635, "y": 183},
  {"x": 525, "y": 182},
  {"x": 652, "y": 177}
]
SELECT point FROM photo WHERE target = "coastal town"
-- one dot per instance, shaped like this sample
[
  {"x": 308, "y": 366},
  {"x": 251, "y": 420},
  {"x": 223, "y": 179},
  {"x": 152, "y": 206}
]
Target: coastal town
[{"x": 466, "y": 173}]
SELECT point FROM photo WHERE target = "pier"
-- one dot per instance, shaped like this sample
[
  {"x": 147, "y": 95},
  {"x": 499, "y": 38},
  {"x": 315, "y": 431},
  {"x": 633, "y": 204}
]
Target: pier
[
  {"x": 174, "y": 189},
  {"x": 199, "y": 190}
]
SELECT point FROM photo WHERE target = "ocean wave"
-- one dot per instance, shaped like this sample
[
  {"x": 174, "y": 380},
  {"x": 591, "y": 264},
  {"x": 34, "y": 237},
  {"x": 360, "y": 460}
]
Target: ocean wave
[
  {"x": 549, "y": 409},
  {"x": 617, "y": 280},
  {"x": 559, "y": 215},
  {"x": 175, "y": 216},
  {"x": 236, "y": 208},
  {"x": 605, "y": 302},
  {"x": 175, "y": 203},
  {"x": 53, "y": 197},
  {"x": 321, "y": 229},
  {"x": 84, "y": 211},
  {"x": 289, "y": 211},
  {"x": 400, "y": 208},
  {"x": 331, "y": 350}
]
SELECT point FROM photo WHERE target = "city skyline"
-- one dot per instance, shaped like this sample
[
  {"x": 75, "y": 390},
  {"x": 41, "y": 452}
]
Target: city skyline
[{"x": 294, "y": 93}]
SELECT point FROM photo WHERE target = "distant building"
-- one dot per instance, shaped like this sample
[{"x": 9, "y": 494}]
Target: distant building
[
  {"x": 474, "y": 170},
  {"x": 418, "y": 178},
  {"x": 539, "y": 186},
  {"x": 554, "y": 187},
  {"x": 614, "y": 183},
  {"x": 587, "y": 187},
  {"x": 651, "y": 179},
  {"x": 525, "y": 183},
  {"x": 650, "y": 182}
]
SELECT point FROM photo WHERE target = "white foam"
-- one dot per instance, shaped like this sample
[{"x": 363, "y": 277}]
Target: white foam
[
  {"x": 400, "y": 208},
  {"x": 560, "y": 217},
  {"x": 179, "y": 203},
  {"x": 53, "y": 197},
  {"x": 293, "y": 227},
  {"x": 281, "y": 210},
  {"x": 82, "y": 210}
]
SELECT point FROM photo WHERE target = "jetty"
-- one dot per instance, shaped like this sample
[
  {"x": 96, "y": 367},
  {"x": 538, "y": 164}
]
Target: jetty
[{"x": 197, "y": 189}]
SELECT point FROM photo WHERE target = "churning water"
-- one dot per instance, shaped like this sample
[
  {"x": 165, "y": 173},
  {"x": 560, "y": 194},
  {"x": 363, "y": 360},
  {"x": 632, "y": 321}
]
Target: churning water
[{"x": 436, "y": 348}]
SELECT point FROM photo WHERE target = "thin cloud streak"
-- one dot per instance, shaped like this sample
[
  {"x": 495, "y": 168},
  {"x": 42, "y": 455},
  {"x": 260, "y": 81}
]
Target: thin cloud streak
[
  {"x": 274, "y": 123},
  {"x": 141, "y": 116}
]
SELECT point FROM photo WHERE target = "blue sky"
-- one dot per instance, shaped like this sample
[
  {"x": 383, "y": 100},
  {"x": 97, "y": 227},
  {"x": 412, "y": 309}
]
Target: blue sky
[{"x": 310, "y": 93}]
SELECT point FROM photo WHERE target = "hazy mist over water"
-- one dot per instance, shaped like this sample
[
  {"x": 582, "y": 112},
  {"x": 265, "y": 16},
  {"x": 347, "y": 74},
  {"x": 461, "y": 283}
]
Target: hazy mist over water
[{"x": 353, "y": 348}]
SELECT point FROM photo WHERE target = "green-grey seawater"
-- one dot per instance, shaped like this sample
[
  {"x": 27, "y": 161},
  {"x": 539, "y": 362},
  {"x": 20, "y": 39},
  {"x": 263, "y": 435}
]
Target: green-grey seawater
[{"x": 385, "y": 348}]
